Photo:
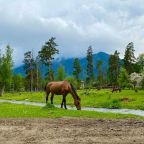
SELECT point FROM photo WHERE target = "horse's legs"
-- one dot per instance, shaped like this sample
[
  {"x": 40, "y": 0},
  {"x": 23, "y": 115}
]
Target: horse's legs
[
  {"x": 47, "y": 94},
  {"x": 62, "y": 102},
  {"x": 52, "y": 95}
]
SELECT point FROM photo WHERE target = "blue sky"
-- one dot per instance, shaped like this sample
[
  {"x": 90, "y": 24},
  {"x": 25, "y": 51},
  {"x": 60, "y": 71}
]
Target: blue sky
[{"x": 107, "y": 25}]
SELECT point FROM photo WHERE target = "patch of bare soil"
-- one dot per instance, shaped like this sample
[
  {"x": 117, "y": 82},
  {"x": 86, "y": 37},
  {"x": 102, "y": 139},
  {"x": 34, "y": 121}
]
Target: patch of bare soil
[{"x": 71, "y": 130}]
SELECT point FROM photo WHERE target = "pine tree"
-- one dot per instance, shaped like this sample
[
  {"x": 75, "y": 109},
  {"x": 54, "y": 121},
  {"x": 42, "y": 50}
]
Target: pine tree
[
  {"x": 18, "y": 81},
  {"x": 129, "y": 58},
  {"x": 90, "y": 73},
  {"x": 77, "y": 69},
  {"x": 114, "y": 68},
  {"x": 100, "y": 71},
  {"x": 61, "y": 73},
  {"x": 29, "y": 67},
  {"x": 37, "y": 74},
  {"x": 123, "y": 78},
  {"x": 6, "y": 66},
  {"x": 140, "y": 61},
  {"x": 46, "y": 55}
]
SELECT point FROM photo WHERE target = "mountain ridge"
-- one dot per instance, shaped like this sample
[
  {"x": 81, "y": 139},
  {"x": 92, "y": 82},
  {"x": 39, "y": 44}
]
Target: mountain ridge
[{"x": 67, "y": 63}]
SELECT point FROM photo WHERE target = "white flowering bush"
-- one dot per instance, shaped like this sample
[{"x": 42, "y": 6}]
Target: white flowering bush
[{"x": 136, "y": 79}]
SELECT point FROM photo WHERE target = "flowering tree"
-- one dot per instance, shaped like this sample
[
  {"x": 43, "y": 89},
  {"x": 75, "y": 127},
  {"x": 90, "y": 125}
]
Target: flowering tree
[{"x": 136, "y": 79}]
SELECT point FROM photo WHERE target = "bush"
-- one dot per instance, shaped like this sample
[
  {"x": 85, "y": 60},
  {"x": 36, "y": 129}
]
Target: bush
[{"x": 136, "y": 89}]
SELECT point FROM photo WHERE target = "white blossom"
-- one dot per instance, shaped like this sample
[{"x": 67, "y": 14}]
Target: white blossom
[{"x": 137, "y": 77}]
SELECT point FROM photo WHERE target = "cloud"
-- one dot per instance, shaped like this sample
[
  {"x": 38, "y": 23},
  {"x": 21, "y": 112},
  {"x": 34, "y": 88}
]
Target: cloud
[{"x": 106, "y": 25}]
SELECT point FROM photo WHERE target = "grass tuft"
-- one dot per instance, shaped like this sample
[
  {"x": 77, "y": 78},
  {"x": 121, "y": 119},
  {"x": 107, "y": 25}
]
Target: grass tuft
[{"x": 49, "y": 106}]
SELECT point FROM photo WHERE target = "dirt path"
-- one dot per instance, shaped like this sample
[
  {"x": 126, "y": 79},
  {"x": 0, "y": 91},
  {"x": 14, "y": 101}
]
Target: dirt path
[{"x": 73, "y": 131}]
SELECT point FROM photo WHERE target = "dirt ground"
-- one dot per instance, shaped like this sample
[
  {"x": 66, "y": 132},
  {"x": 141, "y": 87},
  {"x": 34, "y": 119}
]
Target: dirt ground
[{"x": 71, "y": 130}]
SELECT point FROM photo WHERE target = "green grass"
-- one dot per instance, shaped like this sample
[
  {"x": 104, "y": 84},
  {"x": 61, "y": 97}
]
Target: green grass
[
  {"x": 25, "y": 111},
  {"x": 93, "y": 98}
]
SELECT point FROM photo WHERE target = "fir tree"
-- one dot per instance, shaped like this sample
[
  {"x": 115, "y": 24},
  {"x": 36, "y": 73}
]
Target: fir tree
[
  {"x": 100, "y": 72},
  {"x": 6, "y": 66},
  {"x": 46, "y": 55},
  {"x": 61, "y": 73},
  {"x": 114, "y": 68},
  {"x": 90, "y": 73},
  {"x": 77, "y": 69},
  {"x": 129, "y": 58},
  {"x": 29, "y": 67}
]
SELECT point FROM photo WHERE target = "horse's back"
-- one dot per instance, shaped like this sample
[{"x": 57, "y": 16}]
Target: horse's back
[
  {"x": 58, "y": 87},
  {"x": 58, "y": 84}
]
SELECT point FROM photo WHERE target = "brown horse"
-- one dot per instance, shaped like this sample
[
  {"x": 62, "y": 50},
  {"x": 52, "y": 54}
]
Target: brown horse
[{"x": 62, "y": 88}]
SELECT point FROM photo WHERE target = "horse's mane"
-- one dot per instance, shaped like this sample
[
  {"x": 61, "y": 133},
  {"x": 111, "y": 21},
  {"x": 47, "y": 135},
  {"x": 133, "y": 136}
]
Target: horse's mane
[{"x": 73, "y": 89}]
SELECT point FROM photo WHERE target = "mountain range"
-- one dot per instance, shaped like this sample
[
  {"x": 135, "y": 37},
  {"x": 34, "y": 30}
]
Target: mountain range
[{"x": 68, "y": 65}]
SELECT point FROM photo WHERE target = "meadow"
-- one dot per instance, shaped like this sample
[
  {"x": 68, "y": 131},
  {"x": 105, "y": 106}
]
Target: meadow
[
  {"x": 49, "y": 111},
  {"x": 89, "y": 98}
]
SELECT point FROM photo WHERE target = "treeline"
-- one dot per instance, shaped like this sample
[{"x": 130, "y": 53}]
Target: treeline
[
  {"x": 126, "y": 73},
  {"x": 6, "y": 65}
]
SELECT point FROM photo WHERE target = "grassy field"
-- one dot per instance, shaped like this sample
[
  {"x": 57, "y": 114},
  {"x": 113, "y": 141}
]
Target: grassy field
[
  {"x": 25, "y": 111},
  {"x": 89, "y": 98}
]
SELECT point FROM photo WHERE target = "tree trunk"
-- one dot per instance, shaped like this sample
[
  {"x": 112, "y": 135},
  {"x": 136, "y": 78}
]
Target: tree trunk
[
  {"x": 37, "y": 78},
  {"x": 31, "y": 79},
  {"x": 2, "y": 90}
]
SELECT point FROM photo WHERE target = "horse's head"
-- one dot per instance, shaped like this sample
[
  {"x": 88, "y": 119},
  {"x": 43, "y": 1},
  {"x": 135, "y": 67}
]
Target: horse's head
[{"x": 77, "y": 103}]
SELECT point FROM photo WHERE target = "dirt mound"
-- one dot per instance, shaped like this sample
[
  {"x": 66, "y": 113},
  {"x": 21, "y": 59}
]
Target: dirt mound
[{"x": 70, "y": 130}]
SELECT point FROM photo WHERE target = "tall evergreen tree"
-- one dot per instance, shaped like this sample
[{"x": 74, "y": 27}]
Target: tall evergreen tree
[
  {"x": 37, "y": 74},
  {"x": 90, "y": 72},
  {"x": 123, "y": 78},
  {"x": 29, "y": 67},
  {"x": 46, "y": 55},
  {"x": 114, "y": 68},
  {"x": 77, "y": 69},
  {"x": 61, "y": 73},
  {"x": 6, "y": 66},
  {"x": 129, "y": 58},
  {"x": 100, "y": 71},
  {"x": 140, "y": 61},
  {"x": 18, "y": 81}
]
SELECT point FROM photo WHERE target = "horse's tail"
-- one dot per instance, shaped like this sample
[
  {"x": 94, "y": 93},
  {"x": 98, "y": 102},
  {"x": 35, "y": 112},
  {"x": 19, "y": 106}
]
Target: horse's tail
[{"x": 74, "y": 91}]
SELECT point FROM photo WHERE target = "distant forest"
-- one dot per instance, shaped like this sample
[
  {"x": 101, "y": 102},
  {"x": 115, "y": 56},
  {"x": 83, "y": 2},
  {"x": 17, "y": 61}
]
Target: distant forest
[{"x": 125, "y": 73}]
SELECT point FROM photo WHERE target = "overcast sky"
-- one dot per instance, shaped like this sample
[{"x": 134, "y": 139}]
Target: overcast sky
[{"x": 107, "y": 25}]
